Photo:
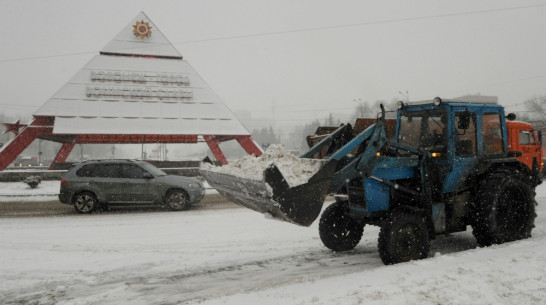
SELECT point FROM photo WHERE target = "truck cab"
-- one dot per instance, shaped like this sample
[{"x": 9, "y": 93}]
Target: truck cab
[{"x": 524, "y": 139}]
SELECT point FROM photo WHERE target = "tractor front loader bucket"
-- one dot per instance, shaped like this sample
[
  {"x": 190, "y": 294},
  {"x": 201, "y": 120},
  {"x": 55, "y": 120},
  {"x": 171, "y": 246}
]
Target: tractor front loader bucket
[{"x": 273, "y": 196}]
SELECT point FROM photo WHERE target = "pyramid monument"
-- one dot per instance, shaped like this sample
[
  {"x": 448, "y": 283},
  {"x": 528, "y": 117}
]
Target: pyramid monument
[{"x": 139, "y": 89}]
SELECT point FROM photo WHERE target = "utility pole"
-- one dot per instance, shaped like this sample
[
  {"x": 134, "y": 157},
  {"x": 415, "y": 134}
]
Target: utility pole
[
  {"x": 81, "y": 152},
  {"x": 40, "y": 152}
]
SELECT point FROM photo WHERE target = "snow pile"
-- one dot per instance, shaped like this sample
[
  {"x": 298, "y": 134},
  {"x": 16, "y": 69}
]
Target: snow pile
[{"x": 295, "y": 170}]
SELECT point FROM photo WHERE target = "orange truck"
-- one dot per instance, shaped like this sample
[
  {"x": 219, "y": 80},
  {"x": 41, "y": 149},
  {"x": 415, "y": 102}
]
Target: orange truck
[{"x": 524, "y": 139}]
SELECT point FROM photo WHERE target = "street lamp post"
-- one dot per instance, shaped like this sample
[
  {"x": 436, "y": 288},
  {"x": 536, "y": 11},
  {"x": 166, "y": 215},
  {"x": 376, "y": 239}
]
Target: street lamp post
[
  {"x": 405, "y": 95},
  {"x": 360, "y": 104}
]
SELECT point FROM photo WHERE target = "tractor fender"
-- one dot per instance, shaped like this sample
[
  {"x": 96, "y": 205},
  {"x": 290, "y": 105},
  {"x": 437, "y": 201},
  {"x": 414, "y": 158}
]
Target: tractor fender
[
  {"x": 509, "y": 165},
  {"x": 427, "y": 215}
]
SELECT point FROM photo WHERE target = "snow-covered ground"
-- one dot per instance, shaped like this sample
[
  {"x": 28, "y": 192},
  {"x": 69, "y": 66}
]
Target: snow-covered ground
[
  {"x": 46, "y": 190},
  {"x": 236, "y": 256}
]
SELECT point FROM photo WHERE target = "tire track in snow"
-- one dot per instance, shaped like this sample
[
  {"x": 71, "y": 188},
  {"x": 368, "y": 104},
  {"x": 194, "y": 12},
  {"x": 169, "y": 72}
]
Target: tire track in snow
[
  {"x": 198, "y": 285},
  {"x": 194, "y": 286}
]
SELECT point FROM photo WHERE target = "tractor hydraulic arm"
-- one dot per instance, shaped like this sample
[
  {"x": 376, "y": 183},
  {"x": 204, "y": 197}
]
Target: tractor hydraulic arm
[{"x": 362, "y": 164}]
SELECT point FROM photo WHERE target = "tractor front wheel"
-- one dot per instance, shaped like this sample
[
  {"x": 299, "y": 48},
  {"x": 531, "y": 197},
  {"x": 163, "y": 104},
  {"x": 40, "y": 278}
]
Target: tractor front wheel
[
  {"x": 337, "y": 230},
  {"x": 403, "y": 237}
]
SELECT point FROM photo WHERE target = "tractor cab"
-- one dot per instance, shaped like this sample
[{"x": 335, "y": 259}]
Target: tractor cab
[{"x": 457, "y": 135}]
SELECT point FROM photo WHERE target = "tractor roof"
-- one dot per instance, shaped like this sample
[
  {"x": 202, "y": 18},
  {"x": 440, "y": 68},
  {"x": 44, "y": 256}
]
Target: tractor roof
[{"x": 471, "y": 99}]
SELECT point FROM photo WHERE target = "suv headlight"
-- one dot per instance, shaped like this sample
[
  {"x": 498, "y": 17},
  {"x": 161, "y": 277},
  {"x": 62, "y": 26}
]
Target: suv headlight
[{"x": 194, "y": 185}]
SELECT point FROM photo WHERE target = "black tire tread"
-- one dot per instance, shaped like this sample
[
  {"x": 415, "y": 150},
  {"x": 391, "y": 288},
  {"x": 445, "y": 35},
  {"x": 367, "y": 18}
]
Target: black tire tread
[
  {"x": 386, "y": 241},
  {"x": 488, "y": 198},
  {"x": 352, "y": 230}
]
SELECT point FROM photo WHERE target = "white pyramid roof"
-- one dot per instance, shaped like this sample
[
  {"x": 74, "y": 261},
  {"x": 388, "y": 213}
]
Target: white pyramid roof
[
  {"x": 139, "y": 94},
  {"x": 150, "y": 41}
]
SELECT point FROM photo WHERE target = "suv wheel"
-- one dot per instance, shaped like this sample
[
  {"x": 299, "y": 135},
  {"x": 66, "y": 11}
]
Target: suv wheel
[
  {"x": 85, "y": 202},
  {"x": 177, "y": 200}
]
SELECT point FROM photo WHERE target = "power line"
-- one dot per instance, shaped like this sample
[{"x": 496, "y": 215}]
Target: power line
[{"x": 319, "y": 28}]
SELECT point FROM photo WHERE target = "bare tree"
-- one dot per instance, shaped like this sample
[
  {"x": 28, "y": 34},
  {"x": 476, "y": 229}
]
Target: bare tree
[{"x": 536, "y": 108}]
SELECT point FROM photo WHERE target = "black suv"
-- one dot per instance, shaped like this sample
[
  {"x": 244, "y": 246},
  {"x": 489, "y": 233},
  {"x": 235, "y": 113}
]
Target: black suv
[{"x": 93, "y": 185}]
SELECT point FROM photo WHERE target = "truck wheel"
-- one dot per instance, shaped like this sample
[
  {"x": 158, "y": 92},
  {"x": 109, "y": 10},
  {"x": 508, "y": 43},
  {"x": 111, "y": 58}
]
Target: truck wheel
[
  {"x": 403, "y": 237},
  {"x": 85, "y": 202},
  {"x": 177, "y": 200},
  {"x": 505, "y": 210},
  {"x": 337, "y": 230}
]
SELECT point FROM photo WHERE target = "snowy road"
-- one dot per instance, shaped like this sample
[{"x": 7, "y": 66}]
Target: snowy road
[{"x": 236, "y": 256}]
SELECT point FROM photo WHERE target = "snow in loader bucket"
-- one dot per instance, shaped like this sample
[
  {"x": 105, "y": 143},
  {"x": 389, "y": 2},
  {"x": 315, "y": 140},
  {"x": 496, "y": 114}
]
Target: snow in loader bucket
[{"x": 296, "y": 197}]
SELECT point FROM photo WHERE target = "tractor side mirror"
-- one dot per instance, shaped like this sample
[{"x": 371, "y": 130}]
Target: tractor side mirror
[
  {"x": 511, "y": 116},
  {"x": 464, "y": 120}
]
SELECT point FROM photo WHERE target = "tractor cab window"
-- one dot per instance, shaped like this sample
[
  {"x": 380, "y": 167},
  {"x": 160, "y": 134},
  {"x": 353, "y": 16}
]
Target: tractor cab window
[
  {"x": 492, "y": 134},
  {"x": 425, "y": 128},
  {"x": 465, "y": 134}
]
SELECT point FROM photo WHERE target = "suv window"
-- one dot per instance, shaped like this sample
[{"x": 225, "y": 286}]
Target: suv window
[
  {"x": 132, "y": 171},
  {"x": 107, "y": 170},
  {"x": 88, "y": 170},
  {"x": 152, "y": 169}
]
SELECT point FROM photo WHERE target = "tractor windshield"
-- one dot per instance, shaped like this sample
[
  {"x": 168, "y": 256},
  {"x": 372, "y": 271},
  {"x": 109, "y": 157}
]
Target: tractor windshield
[{"x": 423, "y": 128}]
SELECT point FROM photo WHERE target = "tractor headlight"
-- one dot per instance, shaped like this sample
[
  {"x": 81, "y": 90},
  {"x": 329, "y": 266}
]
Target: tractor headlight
[
  {"x": 400, "y": 104},
  {"x": 437, "y": 101}
]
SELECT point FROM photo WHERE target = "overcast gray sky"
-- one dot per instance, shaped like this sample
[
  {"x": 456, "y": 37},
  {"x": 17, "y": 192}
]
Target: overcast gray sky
[{"x": 292, "y": 60}]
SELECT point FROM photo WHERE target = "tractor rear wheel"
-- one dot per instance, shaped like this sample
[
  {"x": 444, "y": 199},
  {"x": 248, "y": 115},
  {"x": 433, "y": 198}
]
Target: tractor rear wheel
[
  {"x": 337, "y": 230},
  {"x": 403, "y": 237},
  {"x": 504, "y": 210}
]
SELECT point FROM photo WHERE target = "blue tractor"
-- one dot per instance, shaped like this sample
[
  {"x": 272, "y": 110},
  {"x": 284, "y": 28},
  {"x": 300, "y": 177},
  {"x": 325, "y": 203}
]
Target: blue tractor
[{"x": 447, "y": 167}]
